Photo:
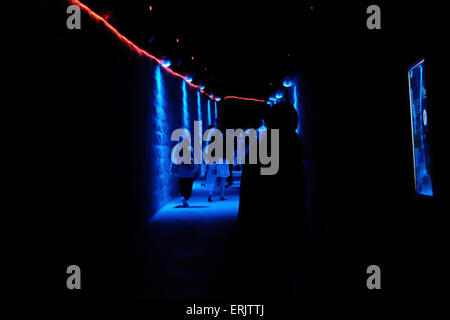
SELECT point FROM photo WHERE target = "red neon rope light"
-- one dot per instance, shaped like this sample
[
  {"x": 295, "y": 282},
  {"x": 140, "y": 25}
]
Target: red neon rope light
[
  {"x": 242, "y": 98},
  {"x": 141, "y": 51},
  {"x": 124, "y": 39}
]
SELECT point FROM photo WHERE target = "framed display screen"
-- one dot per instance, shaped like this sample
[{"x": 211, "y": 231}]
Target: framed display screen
[{"x": 419, "y": 128}]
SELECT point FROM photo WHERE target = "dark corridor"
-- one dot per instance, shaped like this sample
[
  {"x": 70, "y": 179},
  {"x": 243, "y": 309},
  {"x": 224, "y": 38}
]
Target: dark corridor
[{"x": 106, "y": 112}]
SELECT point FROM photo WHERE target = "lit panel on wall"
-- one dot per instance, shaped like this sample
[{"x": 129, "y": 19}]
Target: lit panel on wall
[{"x": 420, "y": 128}]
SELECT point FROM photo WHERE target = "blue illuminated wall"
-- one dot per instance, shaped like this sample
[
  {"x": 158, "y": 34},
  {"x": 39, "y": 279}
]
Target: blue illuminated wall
[
  {"x": 420, "y": 129},
  {"x": 293, "y": 92},
  {"x": 290, "y": 93},
  {"x": 173, "y": 104},
  {"x": 159, "y": 131},
  {"x": 215, "y": 110},
  {"x": 199, "y": 106},
  {"x": 209, "y": 112},
  {"x": 185, "y": 105}
]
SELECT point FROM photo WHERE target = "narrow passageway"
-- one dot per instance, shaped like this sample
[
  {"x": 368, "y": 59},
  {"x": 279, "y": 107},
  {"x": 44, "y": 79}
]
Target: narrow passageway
[{"x": 188, "y": 245}]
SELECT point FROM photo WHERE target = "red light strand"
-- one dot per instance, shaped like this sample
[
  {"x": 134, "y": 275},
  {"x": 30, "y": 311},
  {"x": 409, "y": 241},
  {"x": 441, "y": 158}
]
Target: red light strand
[
  {"x": 243, "y": 98},
  {"x": 141, "y": 51}
]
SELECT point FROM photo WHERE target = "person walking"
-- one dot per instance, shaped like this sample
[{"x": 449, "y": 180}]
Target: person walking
[
  {"x": 186, "y": 174},
  {"x": 223, "y": 173}
]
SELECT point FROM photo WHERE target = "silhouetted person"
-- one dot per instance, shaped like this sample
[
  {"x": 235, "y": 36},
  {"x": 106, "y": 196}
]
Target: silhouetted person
[
  {"x": 223, "y": 172},
  {"x": 212, "y": 179},
  {"x": 268, "y": 237},
  {"x": 186, "y": 174},
  {"x": 230, "y": 177}
]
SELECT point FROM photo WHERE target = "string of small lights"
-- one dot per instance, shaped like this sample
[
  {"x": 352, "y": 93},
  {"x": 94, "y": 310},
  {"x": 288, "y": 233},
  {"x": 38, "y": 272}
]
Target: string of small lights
[{"x": 162, "y": 62}]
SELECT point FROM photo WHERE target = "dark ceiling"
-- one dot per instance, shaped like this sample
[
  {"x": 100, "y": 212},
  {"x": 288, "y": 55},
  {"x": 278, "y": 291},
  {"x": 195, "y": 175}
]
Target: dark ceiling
[
  {"x": 245, "y": 48},
  {"x": 238, "y": 47}
]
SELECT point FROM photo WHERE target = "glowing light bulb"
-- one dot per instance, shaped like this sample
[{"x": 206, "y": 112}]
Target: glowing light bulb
[
  {"x": 166, "y": 63},
  {"x": 287, "y": 82},
  {"x": 279, "y": 95}
]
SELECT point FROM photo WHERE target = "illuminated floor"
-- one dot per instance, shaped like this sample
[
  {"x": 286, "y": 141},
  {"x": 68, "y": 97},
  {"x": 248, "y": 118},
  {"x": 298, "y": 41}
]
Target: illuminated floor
[
  {"x": 199, "y": 207},
  {"x": 188, "y": 245}
]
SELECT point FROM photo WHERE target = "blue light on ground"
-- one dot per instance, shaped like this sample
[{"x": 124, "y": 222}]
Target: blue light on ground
[
  {"x": 190, "y": 245},
  {"x": 200, "y": 208}
]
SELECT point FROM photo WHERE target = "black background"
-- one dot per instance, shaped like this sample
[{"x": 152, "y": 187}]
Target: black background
[{"x": 79, "y": 89}]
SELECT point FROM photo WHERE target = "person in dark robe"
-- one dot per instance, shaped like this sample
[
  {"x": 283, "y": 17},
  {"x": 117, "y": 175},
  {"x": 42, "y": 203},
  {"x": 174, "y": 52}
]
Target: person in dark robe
[{"x": 269, "y": 232}]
